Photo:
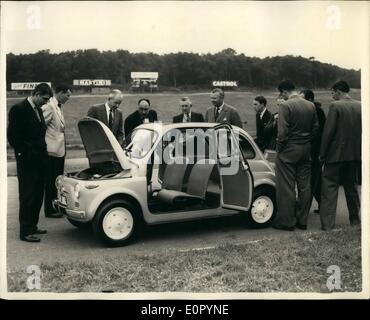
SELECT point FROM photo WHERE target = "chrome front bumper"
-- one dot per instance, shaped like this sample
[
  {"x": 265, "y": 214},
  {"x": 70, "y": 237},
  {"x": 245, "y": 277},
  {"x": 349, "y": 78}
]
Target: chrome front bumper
[{"x": 62, "y": 208}]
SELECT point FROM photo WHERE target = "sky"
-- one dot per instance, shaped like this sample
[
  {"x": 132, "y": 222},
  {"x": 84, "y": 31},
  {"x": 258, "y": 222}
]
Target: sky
[{"x": 332, "y": 32}]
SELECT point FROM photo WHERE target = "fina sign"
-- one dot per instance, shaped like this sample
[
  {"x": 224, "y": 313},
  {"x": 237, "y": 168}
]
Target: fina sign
[
  {"x": 225, "y": 83},
  {"x": 88, "y": 83},
  {"x": 26, "y": 85}
]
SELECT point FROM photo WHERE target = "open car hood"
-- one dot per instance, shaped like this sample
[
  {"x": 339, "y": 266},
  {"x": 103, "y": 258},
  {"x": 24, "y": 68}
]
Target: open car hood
[{"x": 100, "y": 143}]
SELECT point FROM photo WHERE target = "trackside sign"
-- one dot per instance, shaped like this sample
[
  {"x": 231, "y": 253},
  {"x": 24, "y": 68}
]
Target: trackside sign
[
  {"x": 88, "y": 82},
  {"x": 225, "y": 83},
  {"x": 26, "y": 85},
  {"x": 144, "y": 75}
]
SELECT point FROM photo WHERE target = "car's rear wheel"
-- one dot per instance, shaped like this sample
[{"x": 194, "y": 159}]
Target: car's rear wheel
[
  {"x": 263, "y": 208},
  {"x": 79, "y": 224},
  {"x": 116, "y": 223}
]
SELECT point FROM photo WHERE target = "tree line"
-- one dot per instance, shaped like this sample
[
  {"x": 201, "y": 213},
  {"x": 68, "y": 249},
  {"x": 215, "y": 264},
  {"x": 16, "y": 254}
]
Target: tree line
[{"x": 182, "y": 70}]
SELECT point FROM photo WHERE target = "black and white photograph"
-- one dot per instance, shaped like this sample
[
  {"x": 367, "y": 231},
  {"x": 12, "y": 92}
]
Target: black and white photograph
[{"x": 185, "y": 150}]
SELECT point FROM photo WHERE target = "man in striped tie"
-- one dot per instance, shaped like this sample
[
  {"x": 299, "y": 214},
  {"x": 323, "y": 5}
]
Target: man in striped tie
[{"x": 109, "y": 114}]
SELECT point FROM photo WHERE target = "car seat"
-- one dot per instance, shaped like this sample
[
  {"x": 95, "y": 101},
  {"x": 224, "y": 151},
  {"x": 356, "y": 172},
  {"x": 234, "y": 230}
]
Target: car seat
[{"x": 196, "y": 187}]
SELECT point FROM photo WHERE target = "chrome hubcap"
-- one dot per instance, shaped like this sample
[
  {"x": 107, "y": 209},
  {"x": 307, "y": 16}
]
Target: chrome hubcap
[
  {"x": 262, "y": 209},
  {"x": 118, "y": 223}
]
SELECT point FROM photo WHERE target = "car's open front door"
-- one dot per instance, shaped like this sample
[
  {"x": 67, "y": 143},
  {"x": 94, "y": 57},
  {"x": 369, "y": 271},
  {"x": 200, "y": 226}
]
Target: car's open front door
[{"x": 235, "y": 174}]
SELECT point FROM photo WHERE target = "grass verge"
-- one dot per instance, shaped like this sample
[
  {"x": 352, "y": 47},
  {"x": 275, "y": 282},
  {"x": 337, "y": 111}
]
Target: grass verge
[{"x": 297, "y": 262}]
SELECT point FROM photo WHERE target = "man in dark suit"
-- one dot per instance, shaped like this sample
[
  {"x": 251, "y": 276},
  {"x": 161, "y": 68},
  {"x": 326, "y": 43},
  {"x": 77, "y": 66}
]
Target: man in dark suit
[
  {"x": 109, "y": 114},
  {"x": 187, "y": 115},
  {"x": 263, "y": 117},
  {"x": 341, "y": 154},
  {"x": 143, "y": 115},
  {"x": 222, "y": 112},
  {"x": 297, "y": 127},
  {"x": 26, "y": 134},
  {"x": 315, "y": 149}
]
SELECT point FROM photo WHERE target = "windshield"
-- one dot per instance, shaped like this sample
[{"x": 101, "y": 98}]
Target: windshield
[{"x": 139, "y": 142}]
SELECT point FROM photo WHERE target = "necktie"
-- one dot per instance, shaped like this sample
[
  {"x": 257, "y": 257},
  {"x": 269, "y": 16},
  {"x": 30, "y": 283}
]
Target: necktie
[
  {"x": 110, "y": 120},
  {"x": 187, "y": 118},
  {"x": 38, "y": 110},
  {"x": 217, "y": 113},
  {"x": 40, "y": 116}
]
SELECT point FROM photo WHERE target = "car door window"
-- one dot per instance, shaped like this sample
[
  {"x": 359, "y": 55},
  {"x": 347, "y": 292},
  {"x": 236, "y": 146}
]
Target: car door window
[{"x": 246, "y": 148}]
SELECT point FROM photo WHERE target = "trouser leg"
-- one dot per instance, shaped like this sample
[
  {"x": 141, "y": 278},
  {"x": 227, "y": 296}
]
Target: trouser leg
[
  {"x": 25, "y": 204},
  {"x": 350, "y": 189},
  {"x": 38, "y": 185},
  {"x": 304, "y": 192},
  {"x": 55, "y": 167},
  {"x": 30, "y": 185},
  {"x": 329, "y": 195},
  {"x": 285, "y": 193},
  {"x": 316, "y": 181}
]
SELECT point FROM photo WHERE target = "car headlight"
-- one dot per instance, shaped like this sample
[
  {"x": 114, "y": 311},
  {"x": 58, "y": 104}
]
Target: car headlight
[
  {"x": 59, "y": 182},
  {"x": 77, "y": 191}
]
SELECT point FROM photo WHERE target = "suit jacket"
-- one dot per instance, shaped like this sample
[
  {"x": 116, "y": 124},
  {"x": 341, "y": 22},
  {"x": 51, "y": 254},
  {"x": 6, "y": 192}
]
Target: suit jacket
[
  {"x": 195, "y": 117},
  {"x": 228, "y": 114},
  {"x": 99, "y": 112},
  {"x": 26, "y": 134},
  {"x": 341, "y": 139},
  {"x": 262, "y": 139},
  {"x": 297, "y": 123},
  {"x": 55, "y": 127},
  {"x": 134, "y": 120}
]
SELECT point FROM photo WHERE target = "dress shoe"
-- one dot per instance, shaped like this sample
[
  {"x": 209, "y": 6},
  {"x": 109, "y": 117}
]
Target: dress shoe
[
  {"x": 301, "y": 226},
  {"x": 30, "y": 238},
  {"x": 40, "y": 231},
  {"x": 54, "y": 215},
  {"x": 285, "y": 228}
]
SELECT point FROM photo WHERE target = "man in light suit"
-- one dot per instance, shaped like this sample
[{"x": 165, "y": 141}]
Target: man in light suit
[
  {"x": 55, "y": 142},
  {"x": 297, "y": 128},
  {"x": 143, "y": 115},
  {"x": 222, "y": 112},
  {"x": 187, "y": 115},
  {"x": 341, "y": 154},
  {"x": 26, "y": 134},
  {"x": 109, "y": 114}
]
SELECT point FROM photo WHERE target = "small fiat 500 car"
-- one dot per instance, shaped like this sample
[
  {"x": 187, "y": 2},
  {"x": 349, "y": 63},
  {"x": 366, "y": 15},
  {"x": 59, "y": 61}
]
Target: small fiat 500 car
[{"x": 165, "y": 173}]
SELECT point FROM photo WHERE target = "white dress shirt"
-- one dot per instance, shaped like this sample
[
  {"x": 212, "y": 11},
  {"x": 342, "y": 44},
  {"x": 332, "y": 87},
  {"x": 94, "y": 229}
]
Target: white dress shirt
[
  {"x": 219, "y": 109},
  {"x": 184, "y": 118},
  {"x": 107, "y": 108},
  {"x": 262, "y": 113}
]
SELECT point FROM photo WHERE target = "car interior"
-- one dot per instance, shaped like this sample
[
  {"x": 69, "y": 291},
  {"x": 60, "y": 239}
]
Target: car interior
[{"x": 190, "y": 181}]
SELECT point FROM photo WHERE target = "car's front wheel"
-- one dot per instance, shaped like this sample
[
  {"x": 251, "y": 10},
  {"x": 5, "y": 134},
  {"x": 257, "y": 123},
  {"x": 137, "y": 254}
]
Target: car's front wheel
[
  {"x": 263, "y": 208},
  {"x": 116, "y": 223}
]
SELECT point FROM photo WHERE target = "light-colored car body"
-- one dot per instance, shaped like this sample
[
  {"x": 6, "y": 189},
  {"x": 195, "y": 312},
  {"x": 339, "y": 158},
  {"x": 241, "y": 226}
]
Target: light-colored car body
[{"x": 81, "y": 195}]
